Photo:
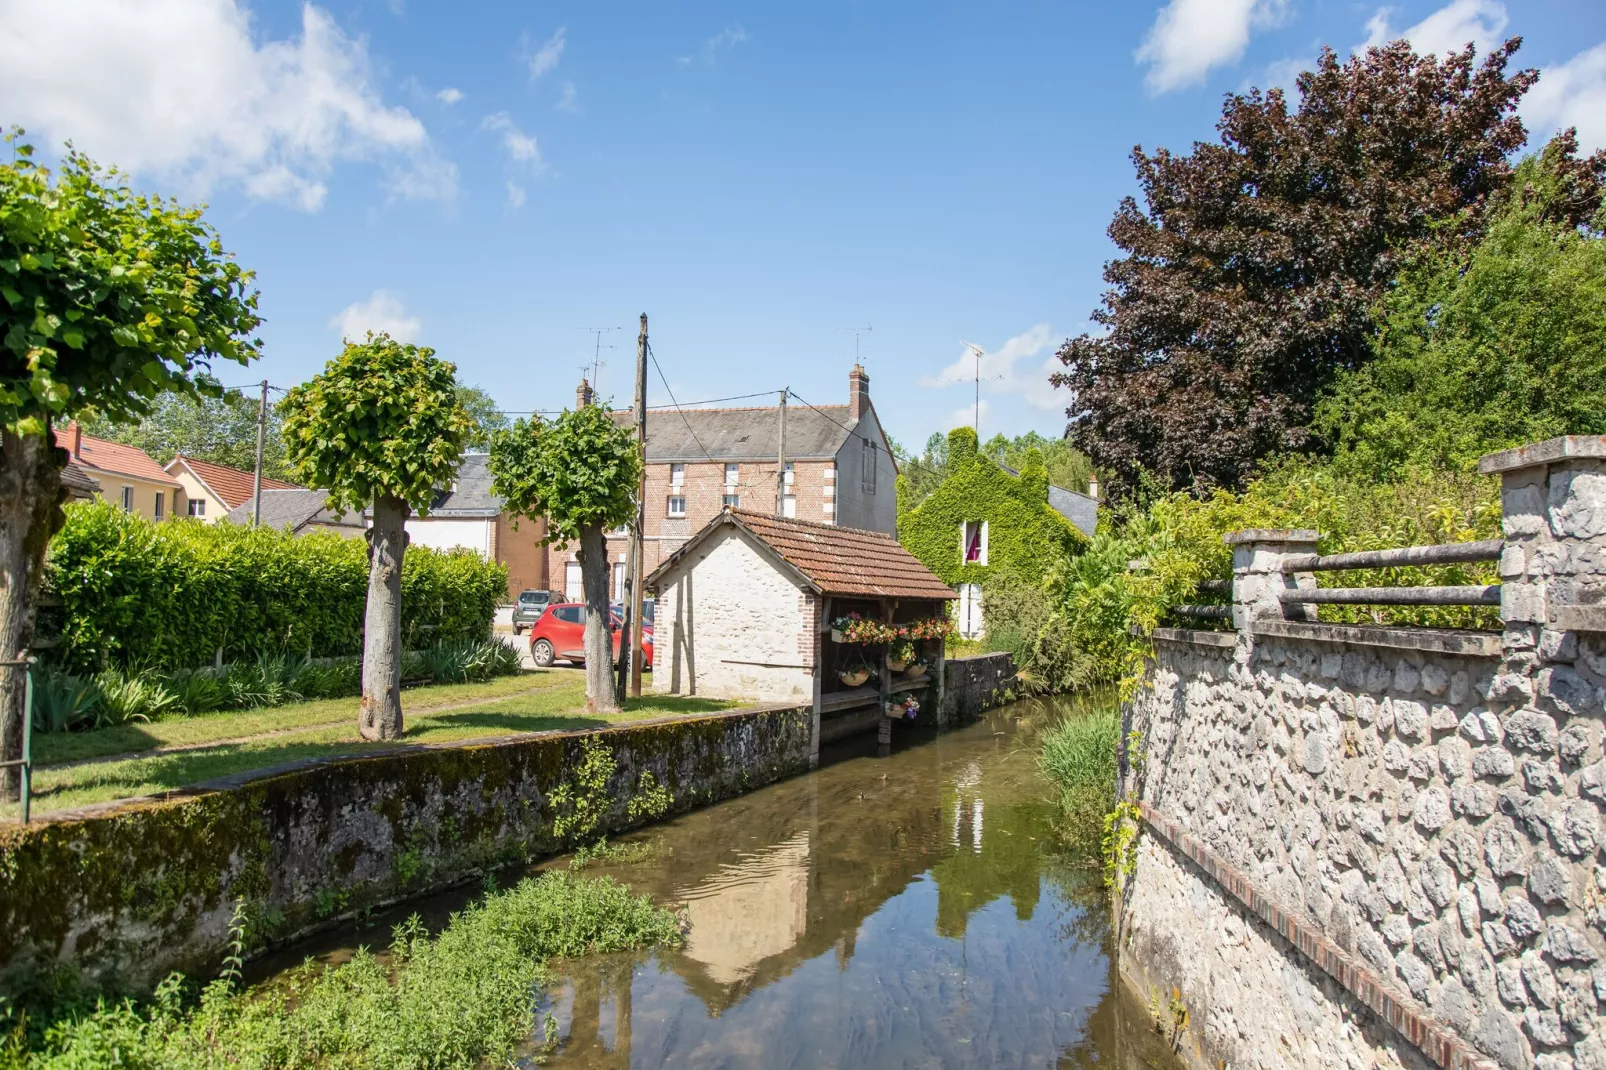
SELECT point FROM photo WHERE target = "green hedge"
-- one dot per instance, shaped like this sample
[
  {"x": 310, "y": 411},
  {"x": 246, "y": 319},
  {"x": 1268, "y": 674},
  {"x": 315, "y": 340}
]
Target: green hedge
[{"x": 171, "y": 594}]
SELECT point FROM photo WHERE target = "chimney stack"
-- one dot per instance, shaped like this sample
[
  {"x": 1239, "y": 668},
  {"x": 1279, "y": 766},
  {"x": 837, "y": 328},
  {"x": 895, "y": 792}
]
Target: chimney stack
[
  {"x": 1093, "y": 486},
  {"x": 858, "y": 393},
  {"x": 584, "y": 396},
  {"x": 77, "y": 440}
]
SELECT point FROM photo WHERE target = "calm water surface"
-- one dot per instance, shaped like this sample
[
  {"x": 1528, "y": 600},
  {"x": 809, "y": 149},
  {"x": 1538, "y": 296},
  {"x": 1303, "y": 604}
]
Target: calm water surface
[{"x": 907, "y": 911}]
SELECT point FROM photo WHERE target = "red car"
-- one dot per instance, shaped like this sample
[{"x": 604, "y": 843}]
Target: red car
[{"x": 560, "y": 633}]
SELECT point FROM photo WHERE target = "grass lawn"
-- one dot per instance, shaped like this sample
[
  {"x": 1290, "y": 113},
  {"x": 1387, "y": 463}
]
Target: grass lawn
[{"x": 547, "y": 700}]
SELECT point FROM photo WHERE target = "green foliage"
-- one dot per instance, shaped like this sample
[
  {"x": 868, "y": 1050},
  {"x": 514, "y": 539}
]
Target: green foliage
[
  {"x": 382, "y": 420},
  {"x": 461, "y": 999},
  {"x": 484, "y": 413},
  {"x": 651, "y": 799},
  {"x": 220, "y": 429},
  {"x": 1025, "y": 536},
  {"x": 1485, "y": 351},
  {"x": 921, "y": 474},
  {"x": 1078, "y": 757},
  {"x": 580, "y": 803},
  {"x": 108, "y": 299},
  {"x": 170, "y": 595},
  {"x": 579, "y": 471}
]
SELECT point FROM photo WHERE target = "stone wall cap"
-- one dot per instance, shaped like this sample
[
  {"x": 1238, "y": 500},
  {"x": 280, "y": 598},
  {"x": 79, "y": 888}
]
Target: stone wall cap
[
  {"x": 1195, "y": 637},
  {"x": 1546, "y": 452},
  {"x": 1457, "y": 642},
  {"x": 1236, "y": 538}
]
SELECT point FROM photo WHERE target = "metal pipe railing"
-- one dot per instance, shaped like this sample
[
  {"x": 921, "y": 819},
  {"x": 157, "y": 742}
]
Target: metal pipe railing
[
  {"x": 1209, "y": 612},
  {"x": 1394, "y": 596},
  {"x": 1442, "y": 554},
  {"x": 25, "y": 763}
]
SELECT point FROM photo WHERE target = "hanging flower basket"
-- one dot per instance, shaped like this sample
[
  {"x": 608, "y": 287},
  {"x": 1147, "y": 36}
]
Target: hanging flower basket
[
  {"x": 915, "y": 670},
  {"x": 903, "y": 708},
  {"x": 854, "y": 677}
]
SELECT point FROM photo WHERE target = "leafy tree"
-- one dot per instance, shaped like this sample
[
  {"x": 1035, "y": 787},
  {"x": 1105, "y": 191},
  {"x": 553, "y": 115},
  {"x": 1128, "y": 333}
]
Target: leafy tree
[
  {"x": 220, "y": 429},
  {"x": 382, "y": 428},
  {"x": 581, "y": 473},
  {"x": 108, "y": 301},
  {"x": 1067, "y": 466},
  {"x": 484, "y": 411},
  {"x": 1480, "y": 352},
  {"x": 1250, "y": 273}
]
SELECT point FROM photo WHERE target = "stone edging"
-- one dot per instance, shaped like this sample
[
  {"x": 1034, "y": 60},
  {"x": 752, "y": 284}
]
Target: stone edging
[
  {"x": 1461, "y": 643},
  {"x": 1442, "y": 1047},
  {"x": 1225, "y": 640}
]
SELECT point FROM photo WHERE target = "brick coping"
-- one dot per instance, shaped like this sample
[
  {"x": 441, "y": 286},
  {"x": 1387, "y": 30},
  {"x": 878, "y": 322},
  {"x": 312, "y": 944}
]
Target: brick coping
[{"x": 1408, "y": 1018}]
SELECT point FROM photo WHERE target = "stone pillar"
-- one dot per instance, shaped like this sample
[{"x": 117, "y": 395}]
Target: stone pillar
[{"x": 1257, "y": 575}]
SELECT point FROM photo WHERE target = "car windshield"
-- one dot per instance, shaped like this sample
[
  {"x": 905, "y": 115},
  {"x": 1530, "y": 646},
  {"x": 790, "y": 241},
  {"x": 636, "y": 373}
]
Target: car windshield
[{"x": 533, "y": 596}]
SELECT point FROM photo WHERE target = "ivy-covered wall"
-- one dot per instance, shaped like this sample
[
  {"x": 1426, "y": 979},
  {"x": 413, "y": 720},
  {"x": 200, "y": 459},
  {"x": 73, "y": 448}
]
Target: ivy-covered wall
[{"x": 1024, "y": 534}]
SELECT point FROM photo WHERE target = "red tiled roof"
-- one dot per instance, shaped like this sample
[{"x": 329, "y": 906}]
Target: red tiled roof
[
  {"x": 836, "y": 560},
  {"x": 99, "y": 455},
  {"x": 232, "y": 485}
]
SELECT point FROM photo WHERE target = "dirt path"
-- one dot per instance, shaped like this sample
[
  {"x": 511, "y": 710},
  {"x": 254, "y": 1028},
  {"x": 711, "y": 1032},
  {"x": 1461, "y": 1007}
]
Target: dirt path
[{"x": 181, "y": 748}]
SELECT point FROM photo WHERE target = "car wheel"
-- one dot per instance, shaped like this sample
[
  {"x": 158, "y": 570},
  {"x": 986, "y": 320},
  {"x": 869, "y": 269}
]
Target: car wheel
[
  {"x": 542, "y": 654},
  {"x": 517, "y": 630}
]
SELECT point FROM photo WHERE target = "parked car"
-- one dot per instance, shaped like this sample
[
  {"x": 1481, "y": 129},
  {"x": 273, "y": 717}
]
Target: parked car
[
  {"x": 646, "y": 611},
  {"x": 529, "y": 607},
  {"x": 560, "y": 635}
]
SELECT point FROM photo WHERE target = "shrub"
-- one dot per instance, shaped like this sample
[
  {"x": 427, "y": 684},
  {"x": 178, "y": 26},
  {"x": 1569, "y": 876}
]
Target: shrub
[
  {"x": 172, "y": 595},
  {"x": 1078, "y": 756}
]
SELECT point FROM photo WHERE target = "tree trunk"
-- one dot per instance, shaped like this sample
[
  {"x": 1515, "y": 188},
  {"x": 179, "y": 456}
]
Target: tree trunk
[
  {"x": 381, "y": 713},
  {"x": 30, "y": 513},
  {"x": 593, "y": 557}
]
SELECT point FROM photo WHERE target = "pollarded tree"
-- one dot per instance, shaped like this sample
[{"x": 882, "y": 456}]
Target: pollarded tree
[
  {"x": 580, "y": 472},
  {"x": 380, "y": 428},
  {"x": 108, "y": 301}
]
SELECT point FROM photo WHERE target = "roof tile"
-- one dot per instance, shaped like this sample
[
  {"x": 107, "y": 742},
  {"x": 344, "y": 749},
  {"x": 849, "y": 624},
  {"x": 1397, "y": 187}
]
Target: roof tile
[
  {"x": 232, "y": 485},
  {"x": 102, "y": 455}
]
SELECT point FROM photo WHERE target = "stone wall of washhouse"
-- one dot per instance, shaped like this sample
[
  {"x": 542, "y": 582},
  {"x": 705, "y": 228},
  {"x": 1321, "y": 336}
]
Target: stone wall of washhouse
[{"x": 1379, "y": 847}]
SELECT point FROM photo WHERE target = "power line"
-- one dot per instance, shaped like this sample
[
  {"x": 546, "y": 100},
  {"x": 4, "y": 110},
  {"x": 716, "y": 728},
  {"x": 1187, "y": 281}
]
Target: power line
[
  {"x": 713, "y": 401},
  {"x": 828, "y": 416},
  {"x": 684, "y": 418}
]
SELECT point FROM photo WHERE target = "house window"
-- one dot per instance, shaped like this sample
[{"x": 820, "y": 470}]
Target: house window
[
  {"x": 197, "y": 506},
  {"x": 733, "y": 474},
  {"x": 160, "y": 502},
  {"x": 677, "y": 505},
  {"x": 573, "y": 589},
  {"x": 789, "y": 505},
  {"x": 677, "y": 476},
  {"x": 973, "y": 542},
  {"x": 619, "y": 579},
  {"x": 968, "y": 610},
  {"x": 128, "y": 499},
  {"x": 731, "y": 501},
  {"x": 868, "y": 463}
]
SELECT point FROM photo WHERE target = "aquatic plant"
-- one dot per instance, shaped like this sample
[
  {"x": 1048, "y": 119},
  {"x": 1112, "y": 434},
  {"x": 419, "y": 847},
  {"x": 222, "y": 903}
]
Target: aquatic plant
[{"x": 1078, "y": 756}]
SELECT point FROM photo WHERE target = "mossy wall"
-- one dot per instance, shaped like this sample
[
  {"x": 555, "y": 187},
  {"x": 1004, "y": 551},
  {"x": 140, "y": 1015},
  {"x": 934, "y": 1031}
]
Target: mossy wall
[
  {"x": 1025, "y": 535},
  {"x": 132, "y": 891}
]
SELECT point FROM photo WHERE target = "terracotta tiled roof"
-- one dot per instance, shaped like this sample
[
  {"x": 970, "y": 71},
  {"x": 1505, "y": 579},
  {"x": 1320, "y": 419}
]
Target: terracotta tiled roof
[
  {"x": 230, "y": 484},
  {"x": 836, "y": 560},
  {"x": 99, "y": 455}
]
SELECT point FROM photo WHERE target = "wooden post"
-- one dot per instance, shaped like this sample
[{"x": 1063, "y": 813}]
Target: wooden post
[
  {"x": 262, "y": 426},
  {"x": 888, "y": 608},
  {"x": 631, "y": 640},
  {"x": 780, "y": 464},
  {"x": 822, "y": 636}
]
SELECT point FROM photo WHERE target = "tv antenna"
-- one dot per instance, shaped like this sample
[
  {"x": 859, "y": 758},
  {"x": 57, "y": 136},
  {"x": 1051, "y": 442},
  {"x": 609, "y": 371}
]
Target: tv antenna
[
  {"x": 857, "y": 331},
  {"x": 597, "y": 363},
  {"x": 976, "y": 380}
]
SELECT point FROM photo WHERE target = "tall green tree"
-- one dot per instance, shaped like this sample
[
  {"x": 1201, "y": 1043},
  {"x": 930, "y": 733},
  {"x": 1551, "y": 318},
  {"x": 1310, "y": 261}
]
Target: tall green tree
[
  {"x": 220, "y": 429},
  {"x": 380, "y": 428},
  {"x": 484, "y": 412},
  {"x": 1249, "y": 275},
  {"x": 1483, "y": 351},
  {"x": 109, "y": 300},
  {"x": 580, "y": 472}
]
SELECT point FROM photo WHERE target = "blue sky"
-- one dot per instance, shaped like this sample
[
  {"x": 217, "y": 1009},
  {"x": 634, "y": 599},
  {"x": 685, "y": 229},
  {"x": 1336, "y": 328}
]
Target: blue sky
[{"x": 492, "y": 179}]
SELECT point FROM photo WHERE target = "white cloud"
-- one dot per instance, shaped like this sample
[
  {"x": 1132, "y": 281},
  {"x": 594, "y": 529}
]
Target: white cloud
[
  {"x": 569, "y": 100},
  {"x": 521, "y": 147},
  {"x": 1190, "y": 38},
  {"x": 967, "y": 417},
  {"x": 181, "y": 90},
  {"x": 1013, "y": 368},
  {"x": 383, "y": 311},
  {"x": 1572, "y": 94},
  {"x": 1284, "y": 75},
  {"x": 547, "y": 56},
  {"x": 515, "y": 194},
  {"x": 449, "y": 96},
  {"x": 728, "y": 38},
  {"x": 1449, "y": 29}
]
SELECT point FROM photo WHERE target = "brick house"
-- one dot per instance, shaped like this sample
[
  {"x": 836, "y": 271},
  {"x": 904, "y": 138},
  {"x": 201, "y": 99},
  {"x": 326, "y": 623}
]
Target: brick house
[{"x": 839, "y": 470}]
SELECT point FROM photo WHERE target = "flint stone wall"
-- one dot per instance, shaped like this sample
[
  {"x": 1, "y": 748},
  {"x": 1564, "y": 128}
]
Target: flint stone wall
[
  {"x": 1427, "y": 803},
  {"x": 971, "y": 686}
]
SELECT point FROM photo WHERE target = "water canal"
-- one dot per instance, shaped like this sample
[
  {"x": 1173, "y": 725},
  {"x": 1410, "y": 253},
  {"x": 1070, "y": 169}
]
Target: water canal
[{"x": 908, "y": 911}]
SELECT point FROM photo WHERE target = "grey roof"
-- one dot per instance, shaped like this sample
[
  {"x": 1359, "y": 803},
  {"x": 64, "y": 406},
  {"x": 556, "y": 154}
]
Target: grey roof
[
  {"x": 744, "y": 434},
  {"x": 1080, "y": 509},
  {"x": 294, "y": 509},
  {"x": 79, "y": 483},
  {"x": 470, "y": 494}
]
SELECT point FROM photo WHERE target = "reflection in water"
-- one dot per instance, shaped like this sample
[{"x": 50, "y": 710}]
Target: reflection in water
[{"x": 906, "y": 911}]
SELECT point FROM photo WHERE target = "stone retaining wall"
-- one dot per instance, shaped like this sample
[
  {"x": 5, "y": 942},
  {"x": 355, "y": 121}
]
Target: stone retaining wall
[
  {"x": 1382, "y": 847},
  {"x": 973, "y": 685},
  {"x": 131, "y": 891}
]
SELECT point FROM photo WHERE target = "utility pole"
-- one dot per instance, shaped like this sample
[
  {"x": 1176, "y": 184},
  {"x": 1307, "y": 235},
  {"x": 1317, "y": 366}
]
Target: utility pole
[
  {"x": 780, "y": 461},
  {"x": 262, "y": 426},
  {"x": 630, "y": 661}
]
